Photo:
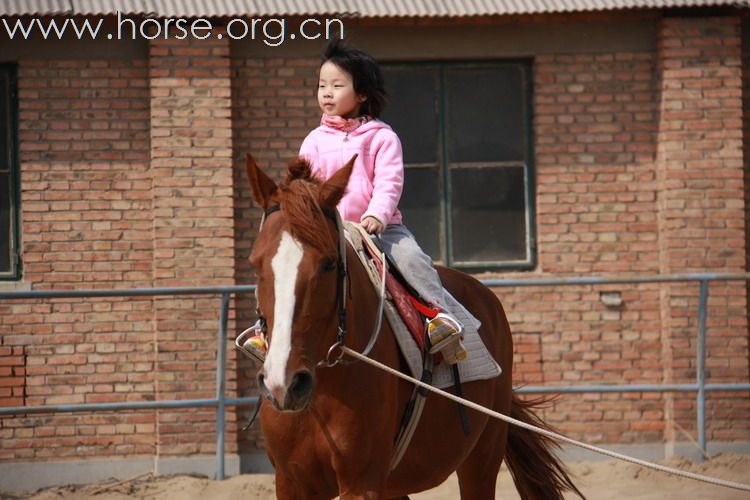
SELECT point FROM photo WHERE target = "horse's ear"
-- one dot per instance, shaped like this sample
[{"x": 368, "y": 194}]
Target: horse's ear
[
  {"x": 333, "y": 189},
  {"x": 263, "y": 186}
]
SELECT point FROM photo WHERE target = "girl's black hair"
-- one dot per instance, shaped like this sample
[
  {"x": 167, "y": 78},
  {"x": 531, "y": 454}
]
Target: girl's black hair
[{"x": 366, "y": 75}]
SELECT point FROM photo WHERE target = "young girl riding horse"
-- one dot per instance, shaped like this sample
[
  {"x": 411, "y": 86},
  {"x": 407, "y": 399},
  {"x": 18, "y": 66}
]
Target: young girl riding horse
[{"x": 351, "y": 95}]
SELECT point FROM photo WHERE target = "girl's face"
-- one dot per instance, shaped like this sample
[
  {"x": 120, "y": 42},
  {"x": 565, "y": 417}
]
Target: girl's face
[{"x": 336, "y": 95}]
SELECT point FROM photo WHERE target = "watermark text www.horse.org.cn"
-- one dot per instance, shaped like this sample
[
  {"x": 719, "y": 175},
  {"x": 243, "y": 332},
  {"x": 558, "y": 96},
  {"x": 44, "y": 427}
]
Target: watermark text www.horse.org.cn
[{"x": 271, "y": 31}]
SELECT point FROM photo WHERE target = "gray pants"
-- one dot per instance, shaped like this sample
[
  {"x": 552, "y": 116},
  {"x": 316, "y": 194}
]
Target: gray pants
[{"x": 415, "y": 265}]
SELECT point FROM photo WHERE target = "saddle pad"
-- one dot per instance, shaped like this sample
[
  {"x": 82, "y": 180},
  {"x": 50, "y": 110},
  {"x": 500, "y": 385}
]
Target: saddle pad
[{"x": 478, "y": 365}]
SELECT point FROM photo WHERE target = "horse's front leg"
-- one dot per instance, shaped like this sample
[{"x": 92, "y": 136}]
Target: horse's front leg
[
  {"x": 369, "y": 485},
  {"x": 287, "y": 488}
]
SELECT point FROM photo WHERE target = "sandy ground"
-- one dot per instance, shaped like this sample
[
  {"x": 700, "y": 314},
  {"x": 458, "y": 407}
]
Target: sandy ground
[{"x": 597, "y": 480}]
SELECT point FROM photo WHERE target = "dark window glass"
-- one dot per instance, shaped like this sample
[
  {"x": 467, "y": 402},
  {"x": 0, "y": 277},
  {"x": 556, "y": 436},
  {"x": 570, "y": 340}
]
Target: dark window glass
[
  {"x": 7, "y": 185},
  {"x": 484, "y": 114},
  {"x": 465, "y": 129},
  {"x": 5, "y": 228},
  {"x": 420, "y": 207},
  {"x": 412, "y": 111},
  {"x": 4, "y": 121},
  {"x": 489, "y": 214}
]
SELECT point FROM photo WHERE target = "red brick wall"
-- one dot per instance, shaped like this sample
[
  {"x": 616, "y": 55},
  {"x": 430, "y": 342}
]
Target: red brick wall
[
  {"x": 594, "y": 125},
  {"x": 12, "y": 375},
  {"x": 191, "y": 168},
  {"x": 86, "y": 223},
  {"x": 86, "y": 190},
  {"x": 701, "y": 211},
  {"x": 126, "y": 182},
  {"x": 613, "y": 163}
]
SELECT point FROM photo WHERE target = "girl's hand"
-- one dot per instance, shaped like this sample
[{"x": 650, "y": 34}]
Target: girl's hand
[{"x": 372, "y": 225}]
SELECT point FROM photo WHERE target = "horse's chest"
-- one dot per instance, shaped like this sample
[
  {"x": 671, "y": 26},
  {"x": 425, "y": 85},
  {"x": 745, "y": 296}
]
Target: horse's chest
[{"x": 328, "y": 446}]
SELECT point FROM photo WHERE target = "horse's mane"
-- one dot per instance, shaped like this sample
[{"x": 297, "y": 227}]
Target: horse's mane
[{"x": 299, "y": 199}]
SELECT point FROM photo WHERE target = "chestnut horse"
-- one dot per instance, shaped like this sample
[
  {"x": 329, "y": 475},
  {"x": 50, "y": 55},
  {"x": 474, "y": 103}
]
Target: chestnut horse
[{"x": 330, "y": 431}]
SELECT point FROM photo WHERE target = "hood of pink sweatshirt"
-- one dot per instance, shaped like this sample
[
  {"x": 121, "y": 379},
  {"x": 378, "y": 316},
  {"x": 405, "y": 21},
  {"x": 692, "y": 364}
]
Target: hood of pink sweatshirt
[{"x": 377, "y": 179}]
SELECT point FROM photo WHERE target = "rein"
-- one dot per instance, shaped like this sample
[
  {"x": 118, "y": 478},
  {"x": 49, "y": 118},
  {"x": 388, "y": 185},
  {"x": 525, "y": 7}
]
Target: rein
[
  {"x": 341, "y": 292},
  {"x": 333, "y": 357}
]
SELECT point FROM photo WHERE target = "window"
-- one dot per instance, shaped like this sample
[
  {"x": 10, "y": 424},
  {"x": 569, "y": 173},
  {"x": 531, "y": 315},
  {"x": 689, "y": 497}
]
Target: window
[
  {"x": 466, "y": 133},
  {"x": 9, "y": 268}
]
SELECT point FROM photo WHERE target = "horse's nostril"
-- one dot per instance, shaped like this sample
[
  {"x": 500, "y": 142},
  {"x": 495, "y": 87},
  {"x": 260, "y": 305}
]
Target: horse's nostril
[
  {"x": 262, "y": 386},
  {"x": 302, "y": 385}
]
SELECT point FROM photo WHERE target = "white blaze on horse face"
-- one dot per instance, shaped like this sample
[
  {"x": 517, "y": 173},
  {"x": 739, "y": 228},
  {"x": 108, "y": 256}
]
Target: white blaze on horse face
[{"x": 285, "y": 265}]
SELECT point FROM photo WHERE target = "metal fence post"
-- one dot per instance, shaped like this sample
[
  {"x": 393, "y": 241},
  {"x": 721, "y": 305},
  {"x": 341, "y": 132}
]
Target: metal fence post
[
  {"x": 221, "y": 370},
  {"x": 700, "y": 366}
]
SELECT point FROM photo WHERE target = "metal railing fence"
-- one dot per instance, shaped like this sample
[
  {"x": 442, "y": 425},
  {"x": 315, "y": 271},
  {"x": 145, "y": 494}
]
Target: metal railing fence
[{"x": 221, "y": 401}]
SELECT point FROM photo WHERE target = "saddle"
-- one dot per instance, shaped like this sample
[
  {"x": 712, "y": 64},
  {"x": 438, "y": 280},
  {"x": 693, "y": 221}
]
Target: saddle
[{"x": 439, "y": 338}]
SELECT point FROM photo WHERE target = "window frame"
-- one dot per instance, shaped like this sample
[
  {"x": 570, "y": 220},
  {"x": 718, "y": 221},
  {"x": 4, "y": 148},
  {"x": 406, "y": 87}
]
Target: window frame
[
  {"x": 10, "y": 72},
  {"x": 446, "y": 231}
]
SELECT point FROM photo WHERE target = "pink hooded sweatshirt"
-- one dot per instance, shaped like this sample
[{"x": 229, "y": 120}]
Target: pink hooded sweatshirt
[{"x": 378, "y": 176}]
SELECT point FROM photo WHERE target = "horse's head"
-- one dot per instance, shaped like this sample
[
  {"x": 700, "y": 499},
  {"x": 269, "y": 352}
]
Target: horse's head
[{"x": 296, "y": 258}]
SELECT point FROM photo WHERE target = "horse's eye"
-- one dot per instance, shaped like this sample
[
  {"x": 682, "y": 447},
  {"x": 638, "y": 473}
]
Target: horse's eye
[{"x": 329, "y": 265}]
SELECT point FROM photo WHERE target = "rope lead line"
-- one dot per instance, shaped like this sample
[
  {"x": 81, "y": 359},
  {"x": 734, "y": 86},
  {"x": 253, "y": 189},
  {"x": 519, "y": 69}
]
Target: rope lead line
[{"x": 549, "y": 434}]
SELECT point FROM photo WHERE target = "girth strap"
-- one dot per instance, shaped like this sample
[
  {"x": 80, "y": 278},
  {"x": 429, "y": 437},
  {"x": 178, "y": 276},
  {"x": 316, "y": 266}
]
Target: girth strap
[{"x": 412, "y": 413}]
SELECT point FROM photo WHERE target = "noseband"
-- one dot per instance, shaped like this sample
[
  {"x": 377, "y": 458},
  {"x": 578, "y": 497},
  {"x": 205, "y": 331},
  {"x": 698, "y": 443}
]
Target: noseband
[{"x": 333, "y": 357}]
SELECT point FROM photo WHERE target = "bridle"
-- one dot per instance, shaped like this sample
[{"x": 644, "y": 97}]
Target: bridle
[{"x": 335, "y": 353}]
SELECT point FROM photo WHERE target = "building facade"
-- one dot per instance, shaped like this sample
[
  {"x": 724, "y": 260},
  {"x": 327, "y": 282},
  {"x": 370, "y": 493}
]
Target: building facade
[{"x": 538, "y": 145}]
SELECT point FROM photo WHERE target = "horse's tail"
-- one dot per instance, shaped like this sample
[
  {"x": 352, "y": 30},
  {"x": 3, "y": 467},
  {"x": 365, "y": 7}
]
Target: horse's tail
[{"x": 536, "y": 471}]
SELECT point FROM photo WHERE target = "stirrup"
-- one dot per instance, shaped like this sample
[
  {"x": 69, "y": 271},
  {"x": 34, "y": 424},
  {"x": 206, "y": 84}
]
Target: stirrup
[
  {"x": 252, "y": 343},
  {"x": 442, "y": 330},
  {"x": 445, "y": 334}
]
